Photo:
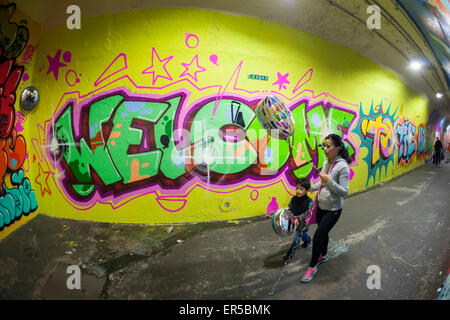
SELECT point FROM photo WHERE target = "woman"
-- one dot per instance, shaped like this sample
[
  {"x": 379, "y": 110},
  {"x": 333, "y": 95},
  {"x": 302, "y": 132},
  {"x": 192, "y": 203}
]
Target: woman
[
  {"x": 334, "y": 180},
  {"x": 437, "y": 152}
]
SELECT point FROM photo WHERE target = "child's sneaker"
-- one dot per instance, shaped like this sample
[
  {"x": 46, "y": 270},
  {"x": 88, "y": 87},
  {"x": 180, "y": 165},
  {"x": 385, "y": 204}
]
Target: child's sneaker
[
  {"x": 287, "y": 259},
  {"x": 309, "y": 275},
  {"x": 322, "y": 259},
  {"x": 306, "y": 244}
]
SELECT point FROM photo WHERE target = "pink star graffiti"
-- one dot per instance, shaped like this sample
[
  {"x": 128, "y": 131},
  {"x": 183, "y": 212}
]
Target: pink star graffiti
[
  {"x": 160, "y": 64},
  {"x": 55, "y": 64},
  {"x": 190, "y": 66},
  {"x": 282, "y": 79},
  {"x": 41, "y": 180}
]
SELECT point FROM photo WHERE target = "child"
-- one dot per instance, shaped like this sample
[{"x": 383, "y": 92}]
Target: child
[{"x": 299, "y": 206}]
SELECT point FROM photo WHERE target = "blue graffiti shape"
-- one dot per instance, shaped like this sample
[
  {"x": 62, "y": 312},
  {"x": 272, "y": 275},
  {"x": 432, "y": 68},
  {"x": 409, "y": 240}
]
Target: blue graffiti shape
[
  {"x": 17, "y": 201},
  {"x": 406, "y": 131},
  {"x": 421, "y": 136}
]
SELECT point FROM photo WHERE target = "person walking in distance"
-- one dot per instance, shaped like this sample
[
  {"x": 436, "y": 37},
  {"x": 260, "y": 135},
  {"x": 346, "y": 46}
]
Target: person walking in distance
[
  {"x": 437, "y": 152},
  {"x": 334, "y": 179}
]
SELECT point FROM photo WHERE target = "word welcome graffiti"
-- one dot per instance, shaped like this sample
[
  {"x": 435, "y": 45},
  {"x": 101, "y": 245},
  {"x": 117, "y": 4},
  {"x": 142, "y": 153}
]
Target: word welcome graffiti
[
  {"x": 406, "y": 131},
  {"x": 377, "y": 134},
  {"x": 119, "y": 142}
]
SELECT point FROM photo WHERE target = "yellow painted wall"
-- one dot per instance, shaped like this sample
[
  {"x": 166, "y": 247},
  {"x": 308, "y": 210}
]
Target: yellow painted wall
[{"x": 140, "y": 42}]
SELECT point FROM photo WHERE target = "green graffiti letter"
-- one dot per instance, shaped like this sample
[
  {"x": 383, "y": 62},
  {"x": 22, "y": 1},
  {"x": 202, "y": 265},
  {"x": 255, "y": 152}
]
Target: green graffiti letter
[
  {"x": 220, "y": 142},
  {"x": 79, "y": 162},
  {"x": 141, "y": 165},
  {"x": 172, "y": 162},
  {"x": 338, "y": 119}
]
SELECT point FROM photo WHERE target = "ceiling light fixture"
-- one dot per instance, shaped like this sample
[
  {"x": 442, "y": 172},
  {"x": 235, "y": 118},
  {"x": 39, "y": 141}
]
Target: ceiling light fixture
[{"x": 415, "y": 65}]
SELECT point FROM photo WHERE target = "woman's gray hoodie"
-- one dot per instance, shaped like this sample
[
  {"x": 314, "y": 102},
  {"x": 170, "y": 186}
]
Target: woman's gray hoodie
[{"x": 336, "y": 189}]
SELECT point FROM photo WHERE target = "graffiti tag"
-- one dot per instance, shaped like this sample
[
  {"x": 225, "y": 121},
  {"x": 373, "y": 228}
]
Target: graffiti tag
[
  {"x": 120, "y": 142},
  {"x": 406, "y": 131}
]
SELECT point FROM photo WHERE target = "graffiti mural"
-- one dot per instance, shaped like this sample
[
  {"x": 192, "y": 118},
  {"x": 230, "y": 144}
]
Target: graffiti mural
[
  {"x": 429, "y": 143},
  {"x": 120, "y": 143},
  {"x": 406, "y": 139},
  {"x": 377, "y": 134},
  {"x": 16, "y": 196},
  {"x": 18, "y": 200},
  {"x": 163, "y": 129},
  {"x": 421, "y": 142}
]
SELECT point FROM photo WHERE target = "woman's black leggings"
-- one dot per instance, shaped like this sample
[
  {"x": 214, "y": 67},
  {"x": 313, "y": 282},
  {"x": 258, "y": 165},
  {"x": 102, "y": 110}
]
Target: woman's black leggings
[
  {"x": 325, "y": 222},
  {"x": 437, "y": 158}
]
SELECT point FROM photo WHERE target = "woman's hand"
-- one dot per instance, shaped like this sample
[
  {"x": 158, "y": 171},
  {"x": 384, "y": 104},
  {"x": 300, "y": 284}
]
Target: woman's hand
[
  {"x": 324, "y": 177},
  {"x": 296, "y": 222}
]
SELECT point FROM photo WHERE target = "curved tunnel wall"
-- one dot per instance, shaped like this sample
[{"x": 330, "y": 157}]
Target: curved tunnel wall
[{"x": 148, "y": 117}]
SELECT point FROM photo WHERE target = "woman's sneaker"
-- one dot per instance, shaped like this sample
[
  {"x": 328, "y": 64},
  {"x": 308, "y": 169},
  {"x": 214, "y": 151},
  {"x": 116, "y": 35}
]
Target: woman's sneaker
[
  {"x": 309, "y": 275},
  {"x": 322, "y": 259}
]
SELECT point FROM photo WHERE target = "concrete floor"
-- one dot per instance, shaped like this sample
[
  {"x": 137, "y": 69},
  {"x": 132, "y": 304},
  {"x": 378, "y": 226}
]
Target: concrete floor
[{"x": 402, "y": 227}]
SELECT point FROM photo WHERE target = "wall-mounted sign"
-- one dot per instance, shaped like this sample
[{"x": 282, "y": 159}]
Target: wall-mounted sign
[{"x": 258, "y": 77}]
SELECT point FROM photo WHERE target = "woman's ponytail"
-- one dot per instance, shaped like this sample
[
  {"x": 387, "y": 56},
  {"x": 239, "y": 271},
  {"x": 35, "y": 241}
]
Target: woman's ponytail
[{"x": 343, "y": 152}]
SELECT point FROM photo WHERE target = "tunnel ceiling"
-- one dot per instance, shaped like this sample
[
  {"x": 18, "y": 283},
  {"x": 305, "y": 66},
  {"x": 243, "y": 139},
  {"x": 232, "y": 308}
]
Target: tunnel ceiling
[{"x": 393, "y": 46}]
